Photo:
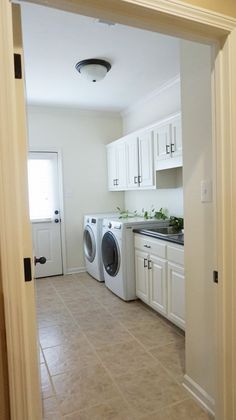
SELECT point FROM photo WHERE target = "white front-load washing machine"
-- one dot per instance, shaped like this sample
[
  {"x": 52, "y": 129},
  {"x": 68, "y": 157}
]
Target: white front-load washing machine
[
  {"x": 92, "y": 243},
  {"x": 118, "y": 254}
]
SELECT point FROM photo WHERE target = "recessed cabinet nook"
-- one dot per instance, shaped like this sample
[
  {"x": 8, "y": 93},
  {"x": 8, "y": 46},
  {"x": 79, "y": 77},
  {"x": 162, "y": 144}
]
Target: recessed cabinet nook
[
  {"x": 134, "y": 159},
  {"x": 160, "y": 283}
]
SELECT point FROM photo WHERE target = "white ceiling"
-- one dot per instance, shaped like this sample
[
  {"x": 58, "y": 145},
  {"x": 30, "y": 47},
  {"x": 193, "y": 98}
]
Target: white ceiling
[{"x": 54, "y": 41}]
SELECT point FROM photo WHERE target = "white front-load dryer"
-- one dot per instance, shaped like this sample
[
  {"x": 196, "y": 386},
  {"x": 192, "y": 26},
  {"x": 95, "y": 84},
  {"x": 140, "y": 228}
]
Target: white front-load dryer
[
  {"x": 92, "y": 244},
  {"x": 118, "y": 255}
]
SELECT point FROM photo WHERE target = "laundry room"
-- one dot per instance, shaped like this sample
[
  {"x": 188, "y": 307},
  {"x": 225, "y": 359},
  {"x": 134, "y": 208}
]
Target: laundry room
[{"x": 126, "y": 160}]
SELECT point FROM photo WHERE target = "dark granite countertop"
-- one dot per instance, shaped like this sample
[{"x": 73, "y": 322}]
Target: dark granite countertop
[{"x": 177, "y": 239}]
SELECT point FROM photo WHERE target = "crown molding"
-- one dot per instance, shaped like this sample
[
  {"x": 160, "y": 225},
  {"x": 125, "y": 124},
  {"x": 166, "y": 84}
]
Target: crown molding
[
  {"x": 165, "y": 86},
  {"x": 188, "y": 11}
]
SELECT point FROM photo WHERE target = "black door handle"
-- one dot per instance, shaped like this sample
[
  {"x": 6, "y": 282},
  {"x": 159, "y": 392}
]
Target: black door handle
[{"x": 40, "y": 260}]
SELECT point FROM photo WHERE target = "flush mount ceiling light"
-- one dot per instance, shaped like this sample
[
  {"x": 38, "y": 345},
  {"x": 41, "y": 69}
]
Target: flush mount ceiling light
[{"x": 93, "y": 69}]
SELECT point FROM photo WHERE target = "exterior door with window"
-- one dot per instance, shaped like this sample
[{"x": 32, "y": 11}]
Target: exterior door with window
[{"x": 45, "y": 212}]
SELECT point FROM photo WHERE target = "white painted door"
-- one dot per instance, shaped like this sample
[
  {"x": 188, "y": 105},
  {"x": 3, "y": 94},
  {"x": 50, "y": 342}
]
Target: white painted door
[
  {"x": 45, "y": 212},
  {"x": 176, "y": 137},
  {"x": 158, "y": 284},
  {"x": 141, "y": 275},
  {"x": 132, "y": 164},
  {"x": 146, "y": 171},
  {"x": 176, "y": 294}
]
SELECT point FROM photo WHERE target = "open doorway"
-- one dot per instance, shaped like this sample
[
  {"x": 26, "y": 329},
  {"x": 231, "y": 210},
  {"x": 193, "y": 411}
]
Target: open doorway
[{"x": 146, "y": 198}]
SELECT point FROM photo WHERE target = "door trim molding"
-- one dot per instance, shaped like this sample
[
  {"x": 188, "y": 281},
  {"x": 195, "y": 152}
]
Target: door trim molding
[
  {"x": 189, "y": 11},
  {"x": 199, "y": 394},
  {"x": 61, "y": 198},
  {"x": 182, "y": 20}
]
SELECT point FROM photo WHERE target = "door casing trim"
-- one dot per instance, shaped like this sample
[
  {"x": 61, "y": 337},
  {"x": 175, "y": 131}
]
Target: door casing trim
[{"x": 191, "y": 23}]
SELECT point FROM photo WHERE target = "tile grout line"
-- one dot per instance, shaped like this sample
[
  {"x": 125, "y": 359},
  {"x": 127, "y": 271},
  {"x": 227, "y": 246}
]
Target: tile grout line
[
  {"x": 96, "y": 351},
  {"x": 146, "y": 350},
  {"x": 93, "y": 349},
  {"x": 140, "y": 343}
]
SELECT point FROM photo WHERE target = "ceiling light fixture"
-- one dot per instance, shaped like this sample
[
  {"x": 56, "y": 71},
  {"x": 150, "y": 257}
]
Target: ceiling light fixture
[{"x": 93, "y": 69}]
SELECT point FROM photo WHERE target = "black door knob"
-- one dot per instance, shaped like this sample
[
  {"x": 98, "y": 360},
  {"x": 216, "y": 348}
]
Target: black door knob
[{"x": 40, "y": 260}]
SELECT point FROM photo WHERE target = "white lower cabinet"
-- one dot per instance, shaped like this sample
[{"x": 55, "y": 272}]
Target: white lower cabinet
[
  {"x": 176, "y": 294},
  {"x": 142, "y": 284},
  {"x": 159, "y": 267},
  {"x": 157, "y": 284}
]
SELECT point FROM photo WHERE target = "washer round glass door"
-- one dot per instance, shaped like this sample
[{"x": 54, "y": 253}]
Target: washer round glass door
[
  {"x": 89, "y": 244},
  {"x": 110, "y": 254}
]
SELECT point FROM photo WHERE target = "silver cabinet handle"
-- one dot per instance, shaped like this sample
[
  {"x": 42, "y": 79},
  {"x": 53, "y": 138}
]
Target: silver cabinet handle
[
  {"x": 172, "y": 147},
  {"x": 145, "y": 262},
  {"x": 167, "y": 149},
  {"x": 135, "y": 179},
  {"x": 149, "y": 264},
  {"x": 147, "y": 246}
]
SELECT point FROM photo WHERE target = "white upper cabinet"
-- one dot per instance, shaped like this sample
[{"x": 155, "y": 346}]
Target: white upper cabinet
[
  {"x": 139, "y": 160},
  {"x": 146, "y": 167},
  {"x": 116, "y": 163},
  {"x": 121, "y": 166},
  {"x": 111, "y": 167},
  {"x": 176, "y": 138},
  {"x": 132, "y": 162},
  {"x": 134, "y": 159},
  {"x": 162, "y": 135},
  {"x": 168, "y": 144}
]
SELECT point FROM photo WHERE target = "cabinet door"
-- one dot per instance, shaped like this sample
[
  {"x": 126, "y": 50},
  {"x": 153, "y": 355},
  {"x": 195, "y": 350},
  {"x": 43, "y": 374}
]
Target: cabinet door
[
  {"x": 121, "y": 166},
  {"x": 162, "y": 142},
  {"x": 176, "y": 294},
  {"x": 141, "y": 274},
  {"x": 132, "y": 170},
  {"x": 176, "y": 137},
  {"x": 111, "y": 168},
  {"x": 146, "y": 167},
  {"x": 158, "y": 284}
]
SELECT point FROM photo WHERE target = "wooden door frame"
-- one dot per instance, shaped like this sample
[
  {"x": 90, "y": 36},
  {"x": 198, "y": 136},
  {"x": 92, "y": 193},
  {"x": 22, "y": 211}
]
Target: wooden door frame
[
  {"x": 173, "y": 18},
  {"x": 61, "y": 197}
]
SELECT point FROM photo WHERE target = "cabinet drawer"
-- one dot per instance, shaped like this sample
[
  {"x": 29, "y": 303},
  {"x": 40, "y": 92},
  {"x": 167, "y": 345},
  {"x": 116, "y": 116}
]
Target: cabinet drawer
[
  {"x": 152, "y": 246},
  {"x": 175, "y": 254}
]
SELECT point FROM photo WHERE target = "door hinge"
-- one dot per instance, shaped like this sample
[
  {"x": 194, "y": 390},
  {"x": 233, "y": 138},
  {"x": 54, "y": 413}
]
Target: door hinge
[
  {"x": 27, "y": 269},
  {"x": 215, "y": 276},
  {"x": 17, "y": 66}
]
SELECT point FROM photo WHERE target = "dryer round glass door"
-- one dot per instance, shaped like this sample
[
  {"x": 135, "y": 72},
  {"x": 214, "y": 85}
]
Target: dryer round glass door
[
  {"x": 110, "y": 254},
  {"x": 89, "y": 244}
]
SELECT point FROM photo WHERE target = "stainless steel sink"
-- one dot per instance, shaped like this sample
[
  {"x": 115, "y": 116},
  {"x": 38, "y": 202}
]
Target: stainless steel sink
[{"x": 165, "y": 231}]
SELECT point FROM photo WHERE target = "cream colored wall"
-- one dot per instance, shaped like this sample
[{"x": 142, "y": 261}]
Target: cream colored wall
[
  {"x": 153, "y": 108},
  {"x": 199, "y": 240},
  {"x": 81, "y": 136},
  {"x": 157, "y": 107},
  {"x": 227, "y": 7}
]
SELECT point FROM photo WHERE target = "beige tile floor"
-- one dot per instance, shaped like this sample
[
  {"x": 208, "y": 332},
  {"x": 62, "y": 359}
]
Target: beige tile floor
[{"x": 105, "y": 359}]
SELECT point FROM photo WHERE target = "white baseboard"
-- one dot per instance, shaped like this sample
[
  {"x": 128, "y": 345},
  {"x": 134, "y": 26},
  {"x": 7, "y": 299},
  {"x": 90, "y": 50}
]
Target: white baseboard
[
  {"x": 198, "y": 393},
  {"x": 75, "y": 270}
]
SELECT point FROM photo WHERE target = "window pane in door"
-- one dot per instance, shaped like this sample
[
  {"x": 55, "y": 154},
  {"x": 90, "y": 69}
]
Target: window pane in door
[{"x": 41, "y": 197}]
